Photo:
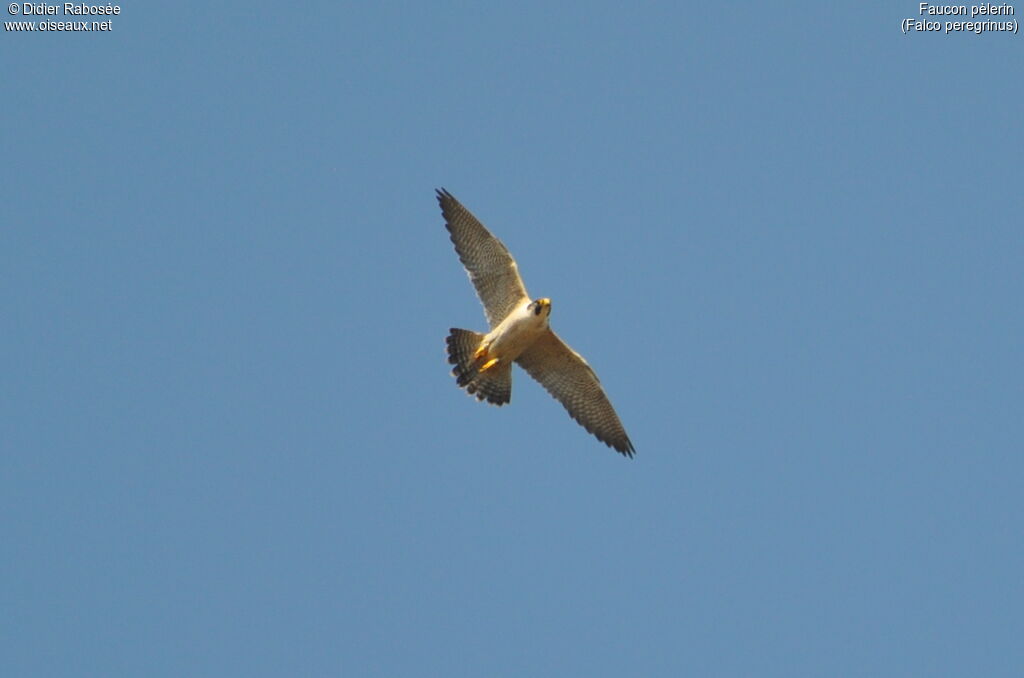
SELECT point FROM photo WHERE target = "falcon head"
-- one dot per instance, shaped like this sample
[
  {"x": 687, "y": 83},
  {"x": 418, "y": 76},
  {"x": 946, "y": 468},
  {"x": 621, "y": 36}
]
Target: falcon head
[{"x": 539, "y": 306}]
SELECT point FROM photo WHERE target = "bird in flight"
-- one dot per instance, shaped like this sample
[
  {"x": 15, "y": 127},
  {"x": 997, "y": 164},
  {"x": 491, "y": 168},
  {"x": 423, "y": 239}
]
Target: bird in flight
[{"x": 519, "y": 332}]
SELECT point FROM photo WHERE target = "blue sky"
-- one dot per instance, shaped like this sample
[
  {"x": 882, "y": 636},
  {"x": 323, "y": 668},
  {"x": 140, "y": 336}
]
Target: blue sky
[{"x": 787, "y": 236}]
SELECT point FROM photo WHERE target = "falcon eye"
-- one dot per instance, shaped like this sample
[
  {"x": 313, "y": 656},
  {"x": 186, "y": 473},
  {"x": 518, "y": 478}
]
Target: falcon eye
[{"x": 536, "y": 308}]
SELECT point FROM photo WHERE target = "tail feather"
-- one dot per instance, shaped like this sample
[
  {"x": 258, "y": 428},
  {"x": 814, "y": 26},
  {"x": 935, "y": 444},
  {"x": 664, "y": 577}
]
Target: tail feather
[
  {"x": 494, "y": 385},
  {"x": 462, "y": 344}
]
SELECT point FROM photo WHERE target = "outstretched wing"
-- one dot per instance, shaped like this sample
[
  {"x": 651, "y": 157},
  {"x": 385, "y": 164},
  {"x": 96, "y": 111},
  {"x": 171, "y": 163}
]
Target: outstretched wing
[
  {"x": 568, "y": 377},
  {"x": 491, "y": 268}
]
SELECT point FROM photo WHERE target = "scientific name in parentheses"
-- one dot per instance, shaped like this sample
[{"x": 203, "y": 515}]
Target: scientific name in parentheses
[{"x": 69, "y": 8}]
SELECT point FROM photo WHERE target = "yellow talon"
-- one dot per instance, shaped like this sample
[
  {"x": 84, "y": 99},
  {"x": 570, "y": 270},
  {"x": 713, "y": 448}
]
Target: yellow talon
[
  {"x": 489, "y": 364},
  {"x": 480, "y": 352}
]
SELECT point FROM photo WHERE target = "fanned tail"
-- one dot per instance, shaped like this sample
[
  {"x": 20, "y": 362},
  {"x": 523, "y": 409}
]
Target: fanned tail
[{"x": 493, "y": 384}]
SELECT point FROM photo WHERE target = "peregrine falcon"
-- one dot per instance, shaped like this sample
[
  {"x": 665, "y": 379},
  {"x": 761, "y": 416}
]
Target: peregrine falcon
[{"x": 519, "y": 333}]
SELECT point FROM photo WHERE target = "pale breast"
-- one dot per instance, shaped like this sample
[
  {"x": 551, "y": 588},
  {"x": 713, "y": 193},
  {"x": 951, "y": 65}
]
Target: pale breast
[{"x": 515, "y": 333}]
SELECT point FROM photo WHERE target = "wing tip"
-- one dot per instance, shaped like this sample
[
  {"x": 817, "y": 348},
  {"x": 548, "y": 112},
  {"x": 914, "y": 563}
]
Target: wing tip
[
  {"x": 443, "y": 195},
  {"x": 623, "y": 447},
  {"x": 448, "y": 204}
]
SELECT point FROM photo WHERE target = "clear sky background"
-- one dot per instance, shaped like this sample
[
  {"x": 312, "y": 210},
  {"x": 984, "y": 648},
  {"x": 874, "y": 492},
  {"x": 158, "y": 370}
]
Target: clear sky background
[{"x": 786, "y": 235}]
